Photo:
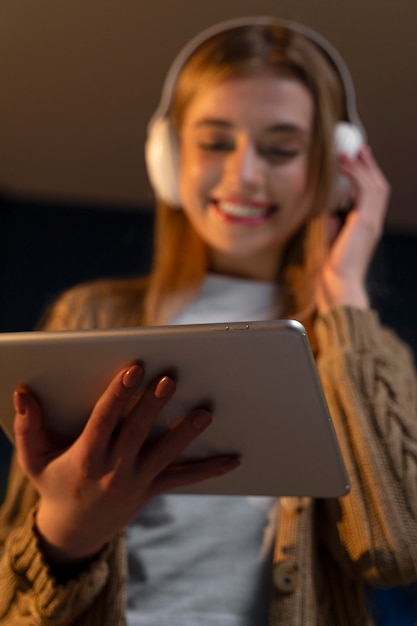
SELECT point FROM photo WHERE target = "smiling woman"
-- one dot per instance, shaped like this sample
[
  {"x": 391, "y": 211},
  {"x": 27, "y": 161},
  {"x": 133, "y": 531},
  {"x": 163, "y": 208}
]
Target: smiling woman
[{"x": 244, "y": 156}]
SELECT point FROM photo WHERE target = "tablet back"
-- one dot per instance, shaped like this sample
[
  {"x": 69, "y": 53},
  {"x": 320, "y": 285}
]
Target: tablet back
[{"x": 259, "y": 377}]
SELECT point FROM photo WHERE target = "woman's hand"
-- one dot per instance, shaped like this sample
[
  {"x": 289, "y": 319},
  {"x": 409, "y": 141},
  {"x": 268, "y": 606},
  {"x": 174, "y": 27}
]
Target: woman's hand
[
  {"x": 342, "y": 280},
  {"x": 93, "y": 488}
]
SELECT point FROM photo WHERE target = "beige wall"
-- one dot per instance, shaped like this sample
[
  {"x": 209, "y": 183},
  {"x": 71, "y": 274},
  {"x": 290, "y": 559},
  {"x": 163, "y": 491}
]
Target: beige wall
[{"x": 80, "y": 78}]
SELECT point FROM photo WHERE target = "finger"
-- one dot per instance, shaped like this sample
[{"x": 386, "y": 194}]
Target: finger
[
  {"x": 109, "y": 410},
  {"x": 29, "y": 435},
  {"x": 136, "y": 426},
  {"x": 334, "y": 226},
  {"x": 368, "y": 161},
  {"x": 177, "y": 476},
  {"x": 163, "y": 452},
  {"x": 371, "y": 198},
  {"x": 364, "y": 168}
]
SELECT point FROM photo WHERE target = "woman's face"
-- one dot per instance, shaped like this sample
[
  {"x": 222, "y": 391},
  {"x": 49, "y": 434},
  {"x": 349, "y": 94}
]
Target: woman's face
[{"x": 244, "y": 147}]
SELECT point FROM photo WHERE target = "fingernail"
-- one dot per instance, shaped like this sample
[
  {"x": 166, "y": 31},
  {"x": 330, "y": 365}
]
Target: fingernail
[
  {"x": 133, "y": 376},
  {"x": 200, "y": 419},
  {"x": 19, "y": 401},
  {"x": 164, "y": 387},
  {"x": 229, "y": 465}
]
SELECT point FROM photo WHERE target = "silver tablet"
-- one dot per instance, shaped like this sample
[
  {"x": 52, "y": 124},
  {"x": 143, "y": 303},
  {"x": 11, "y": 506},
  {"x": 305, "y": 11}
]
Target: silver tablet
[{"x": 259, "y": 378}]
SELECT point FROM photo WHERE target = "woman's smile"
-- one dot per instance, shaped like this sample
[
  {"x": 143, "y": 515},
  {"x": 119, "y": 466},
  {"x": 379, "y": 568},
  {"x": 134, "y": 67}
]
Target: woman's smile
[{"x": 246, "y": 212}]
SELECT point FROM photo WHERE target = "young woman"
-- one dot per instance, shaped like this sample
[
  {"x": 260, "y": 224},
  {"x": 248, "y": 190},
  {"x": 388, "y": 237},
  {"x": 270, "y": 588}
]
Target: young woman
[{"x": 244, "y": 230}]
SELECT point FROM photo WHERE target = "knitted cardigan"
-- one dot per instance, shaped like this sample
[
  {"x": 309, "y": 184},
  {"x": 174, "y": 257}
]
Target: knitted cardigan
[{"x": 325, "y": 549}]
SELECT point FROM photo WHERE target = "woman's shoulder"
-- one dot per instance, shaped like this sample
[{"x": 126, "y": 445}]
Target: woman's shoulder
[{"x": 103, "y": 303}]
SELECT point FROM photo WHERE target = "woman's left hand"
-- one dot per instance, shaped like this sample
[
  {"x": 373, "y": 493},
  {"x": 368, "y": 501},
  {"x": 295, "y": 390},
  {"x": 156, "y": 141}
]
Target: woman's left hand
[{"x": 342, "y": 280}]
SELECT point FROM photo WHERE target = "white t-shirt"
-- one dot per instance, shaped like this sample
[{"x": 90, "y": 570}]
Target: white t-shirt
[{"x": 205, "y": 560}]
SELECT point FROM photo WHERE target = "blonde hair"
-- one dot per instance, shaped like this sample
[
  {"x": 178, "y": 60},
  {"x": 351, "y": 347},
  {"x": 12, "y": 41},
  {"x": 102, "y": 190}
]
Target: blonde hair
[{"x": 180, "y": 258}]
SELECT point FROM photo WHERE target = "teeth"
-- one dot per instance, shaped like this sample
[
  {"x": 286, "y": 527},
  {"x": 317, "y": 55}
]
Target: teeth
[{"x": 241, "y": 210}]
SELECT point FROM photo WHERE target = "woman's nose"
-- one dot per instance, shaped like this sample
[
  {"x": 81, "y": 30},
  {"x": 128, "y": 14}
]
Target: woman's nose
[{"x": 244, "y": 167}]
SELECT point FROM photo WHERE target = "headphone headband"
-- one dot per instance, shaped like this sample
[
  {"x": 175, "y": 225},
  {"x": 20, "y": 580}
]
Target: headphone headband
[{"x": 261, "y": 20}]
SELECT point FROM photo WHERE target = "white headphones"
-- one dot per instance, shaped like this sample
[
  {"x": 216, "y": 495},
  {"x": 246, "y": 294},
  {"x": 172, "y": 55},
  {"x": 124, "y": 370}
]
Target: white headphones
[{"x": 162, "y": 150}]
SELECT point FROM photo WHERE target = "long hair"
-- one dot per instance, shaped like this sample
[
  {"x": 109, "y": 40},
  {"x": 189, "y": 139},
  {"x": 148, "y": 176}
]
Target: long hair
[{"x": 180, "y": 257}]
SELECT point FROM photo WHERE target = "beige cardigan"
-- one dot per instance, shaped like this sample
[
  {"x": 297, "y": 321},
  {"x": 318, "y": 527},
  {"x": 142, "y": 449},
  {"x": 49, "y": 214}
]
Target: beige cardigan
[{"x": 325, "y": 550}]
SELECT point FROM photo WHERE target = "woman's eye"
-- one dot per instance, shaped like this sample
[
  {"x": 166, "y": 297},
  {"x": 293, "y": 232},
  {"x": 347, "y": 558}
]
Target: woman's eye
[
  {"x": 274, "y": 153},
  {"x": 215, "y": 146}
]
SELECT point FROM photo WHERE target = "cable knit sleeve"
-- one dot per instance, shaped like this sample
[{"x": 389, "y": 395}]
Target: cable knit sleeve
[
  {"x": 370, "y": 384},
  {"x": 29, "y": 593}
]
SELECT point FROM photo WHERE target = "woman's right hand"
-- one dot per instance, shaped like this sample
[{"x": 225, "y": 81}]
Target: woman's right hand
[{"x": 93, "y": 488}]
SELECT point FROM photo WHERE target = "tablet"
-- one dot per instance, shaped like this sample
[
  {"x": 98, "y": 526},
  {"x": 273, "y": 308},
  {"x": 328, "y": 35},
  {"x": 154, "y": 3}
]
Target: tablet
[{"x": 259, "y": 378}]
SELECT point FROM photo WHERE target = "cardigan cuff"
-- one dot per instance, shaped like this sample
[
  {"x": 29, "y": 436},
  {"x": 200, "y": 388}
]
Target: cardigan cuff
[{"x": 29, "y": 570}]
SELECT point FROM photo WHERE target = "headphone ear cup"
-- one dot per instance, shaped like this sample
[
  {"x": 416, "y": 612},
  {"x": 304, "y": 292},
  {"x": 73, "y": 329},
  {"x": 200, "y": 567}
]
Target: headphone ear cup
[
  {"x": 348, "y": 139},
  {"x": 162, "y": 161}
]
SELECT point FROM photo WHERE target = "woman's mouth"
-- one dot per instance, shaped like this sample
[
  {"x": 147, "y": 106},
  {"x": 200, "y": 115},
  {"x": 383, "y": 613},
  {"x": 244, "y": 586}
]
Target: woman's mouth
[{"x": 247, "y": 212}]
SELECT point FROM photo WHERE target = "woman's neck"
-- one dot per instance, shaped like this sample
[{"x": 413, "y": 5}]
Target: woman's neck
[{"x": 261, "y": 267}]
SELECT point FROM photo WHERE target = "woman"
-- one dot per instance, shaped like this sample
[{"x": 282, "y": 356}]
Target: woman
[{"x": 248, "y": 120}]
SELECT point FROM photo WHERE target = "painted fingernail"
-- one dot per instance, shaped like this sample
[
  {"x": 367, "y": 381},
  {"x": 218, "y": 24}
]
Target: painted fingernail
[
  {"x": 19, "y": 401},
  {"x": 200, "y": 419},
  {"x": 164, "y": 387},
  {"x": 132, "y": 376}
]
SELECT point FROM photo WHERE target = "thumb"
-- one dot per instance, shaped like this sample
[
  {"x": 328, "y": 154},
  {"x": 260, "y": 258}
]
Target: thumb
[
  {"x": 28, "y": 431},
  {"x": 335, "y": 222}
]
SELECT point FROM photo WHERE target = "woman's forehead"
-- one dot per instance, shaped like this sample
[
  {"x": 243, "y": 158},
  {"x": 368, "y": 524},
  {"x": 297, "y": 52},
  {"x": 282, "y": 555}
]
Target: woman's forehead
[{"x": 270, "y": 99}]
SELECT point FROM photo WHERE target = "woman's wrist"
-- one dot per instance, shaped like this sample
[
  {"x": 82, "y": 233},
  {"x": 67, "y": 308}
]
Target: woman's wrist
[
  {"x": 61, "y": 546},
  {"x": 355, "y": 297}
]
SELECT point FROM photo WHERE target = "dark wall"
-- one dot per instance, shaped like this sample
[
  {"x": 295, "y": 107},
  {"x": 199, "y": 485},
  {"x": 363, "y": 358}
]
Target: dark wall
[
  {"x": 392, "y": 283},
  {"x": 46, "y": 247}
]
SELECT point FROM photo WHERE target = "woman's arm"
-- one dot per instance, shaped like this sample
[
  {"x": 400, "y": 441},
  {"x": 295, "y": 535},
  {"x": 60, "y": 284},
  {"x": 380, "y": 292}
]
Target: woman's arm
[
  {"x": 370, "y": 384},
  {"x": 342, "y": 280},
  {"x": 29, "y": 590},
  {"x": 63, "y": 561},
  {"x": 30, "y": 593}
]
